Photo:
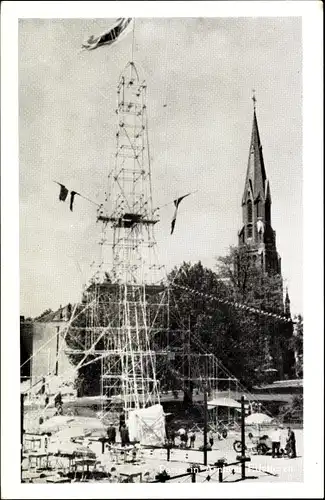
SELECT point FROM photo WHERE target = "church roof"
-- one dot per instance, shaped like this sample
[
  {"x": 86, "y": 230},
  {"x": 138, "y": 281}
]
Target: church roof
[{"x": 255, "y": 176}]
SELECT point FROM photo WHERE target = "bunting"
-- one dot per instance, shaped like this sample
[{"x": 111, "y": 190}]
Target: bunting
[
  {"x": 63, "y": 193},
  {"x": 72, "y": 195},
  {"x": 108, "y": 37},
  {"x": 176, "y": 203},
  {"x": 234, "y": 304}
]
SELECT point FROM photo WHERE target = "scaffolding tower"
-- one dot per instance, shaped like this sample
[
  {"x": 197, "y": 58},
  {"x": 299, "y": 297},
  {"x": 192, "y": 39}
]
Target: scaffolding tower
[
  {"x": 126, "y": 299},
  {"x": 123, "y": 321}
]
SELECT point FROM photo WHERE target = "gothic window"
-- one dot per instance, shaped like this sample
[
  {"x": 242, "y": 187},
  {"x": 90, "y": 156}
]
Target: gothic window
[
  {"x": 249, "y": 212},
  {"x": 258, "y": 209},
  {"x": 268, "y": 212},
  {"x": 249, "y": 231}
]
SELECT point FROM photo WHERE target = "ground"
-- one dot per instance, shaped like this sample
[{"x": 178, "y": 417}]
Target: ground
[{"x": 261, "y": 468}]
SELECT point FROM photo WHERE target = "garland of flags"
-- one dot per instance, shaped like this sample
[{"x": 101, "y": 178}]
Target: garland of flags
[
  {"x": 237, "y": 305},
  {"x": 64, "y": 194}
]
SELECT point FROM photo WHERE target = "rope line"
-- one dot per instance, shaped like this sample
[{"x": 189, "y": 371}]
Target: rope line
[{"x": 244, "y": 307}]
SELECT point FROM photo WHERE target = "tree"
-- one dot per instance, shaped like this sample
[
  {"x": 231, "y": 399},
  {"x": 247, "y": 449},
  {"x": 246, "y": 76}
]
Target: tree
[
  {"x": 228, "y": 333},
  {"x": 249, "y": 284},
  {"x": 297, "y": 345},
  {"x": 44, "y": 313}
]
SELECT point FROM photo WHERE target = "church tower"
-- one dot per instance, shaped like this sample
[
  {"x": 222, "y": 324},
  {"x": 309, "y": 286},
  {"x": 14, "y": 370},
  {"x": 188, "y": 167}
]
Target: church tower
[{"x": 257, "y": 232}]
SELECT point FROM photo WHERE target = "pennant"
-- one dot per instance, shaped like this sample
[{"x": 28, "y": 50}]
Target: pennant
[
  {"x": 176, "y": 203},
  {"x": 108, "y": 37},
  {"x": 63, "y": 192},
  {"x": 72, "y": 195}
]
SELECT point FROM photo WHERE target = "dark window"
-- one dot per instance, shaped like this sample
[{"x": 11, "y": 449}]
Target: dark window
[
  {"x": 249, "y": 211},
  {"x": 249, "y": 231},
  {"x": 268, "y": 212}
]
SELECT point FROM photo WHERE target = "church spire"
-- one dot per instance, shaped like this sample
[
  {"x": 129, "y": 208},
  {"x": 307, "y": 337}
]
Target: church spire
[
  {"x": 255, "y": 185},
  {"x": 287, "y": 311}
]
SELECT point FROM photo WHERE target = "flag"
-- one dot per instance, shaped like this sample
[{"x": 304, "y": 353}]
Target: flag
[
  {"x": 72, "y": 195},
  {"x": 176, "y": 203},
  {"x": 63, "y": 192},
  {"x": 108, "y": 37}
]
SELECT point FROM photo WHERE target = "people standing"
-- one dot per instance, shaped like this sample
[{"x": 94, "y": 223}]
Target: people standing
[
  {"x": 122, "y": 421},
  {"x": 192, "y": 439},
  {"x": 211, "y": 439},
  {"x": 276, "y": 438},
  {"x": 125, "y": 439},
  {"x": 185, "y": 439},
  {"x": 172, "y": 436},
  {"x": 291, "y": 441},
  {"x": 111, "y": 434},
  {"x": 283, "y": 440},
  {"x": 123, "y": 436}
]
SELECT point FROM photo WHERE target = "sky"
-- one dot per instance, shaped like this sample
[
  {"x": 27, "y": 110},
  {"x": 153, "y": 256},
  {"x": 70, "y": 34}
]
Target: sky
[{"x": 204, "y": 69}]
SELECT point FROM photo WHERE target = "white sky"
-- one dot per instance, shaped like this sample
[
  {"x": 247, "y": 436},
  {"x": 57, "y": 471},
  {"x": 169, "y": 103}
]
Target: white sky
[{"x": 204, "y": 69}]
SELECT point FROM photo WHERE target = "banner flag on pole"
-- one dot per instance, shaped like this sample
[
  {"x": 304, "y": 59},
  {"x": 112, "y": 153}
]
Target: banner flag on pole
[
  {"x": 176, "y": 203},
  {"x": 108, "y": 37}
]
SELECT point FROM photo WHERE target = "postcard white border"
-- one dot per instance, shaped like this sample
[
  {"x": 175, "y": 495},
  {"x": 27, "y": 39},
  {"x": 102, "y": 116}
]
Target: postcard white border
[{"x": 311, "y": 13}]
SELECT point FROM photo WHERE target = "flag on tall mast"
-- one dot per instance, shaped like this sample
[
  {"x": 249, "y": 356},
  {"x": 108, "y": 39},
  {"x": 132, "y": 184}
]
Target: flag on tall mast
[{"x": 108, "y": 37}]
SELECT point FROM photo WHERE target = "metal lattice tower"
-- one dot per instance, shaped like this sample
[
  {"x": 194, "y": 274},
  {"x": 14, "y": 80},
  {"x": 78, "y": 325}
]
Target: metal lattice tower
[
  {"x": 133, "y": 302},
  {"x": 123, "y": 323}
]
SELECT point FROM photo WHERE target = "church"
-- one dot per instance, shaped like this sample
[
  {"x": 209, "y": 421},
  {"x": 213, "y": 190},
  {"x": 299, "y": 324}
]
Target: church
[{"x": 257, "y": 240}]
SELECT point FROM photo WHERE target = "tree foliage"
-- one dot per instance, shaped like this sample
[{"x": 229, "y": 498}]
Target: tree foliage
[
  {"x": 246, "y": 343},
  {"x": 297, "y": 345}
]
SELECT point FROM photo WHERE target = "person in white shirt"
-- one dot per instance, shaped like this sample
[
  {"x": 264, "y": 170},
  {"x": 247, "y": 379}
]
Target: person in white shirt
[
  {"x": 283, "y": 440},
  {"x": 276, "y": 438}
]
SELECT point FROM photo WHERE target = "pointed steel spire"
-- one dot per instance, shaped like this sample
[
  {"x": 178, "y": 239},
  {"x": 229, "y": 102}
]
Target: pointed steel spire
[
  {"x": 287, "y": 310},
  {"x": 256, "y": 175},
  {"x": 254, "y": 99}
]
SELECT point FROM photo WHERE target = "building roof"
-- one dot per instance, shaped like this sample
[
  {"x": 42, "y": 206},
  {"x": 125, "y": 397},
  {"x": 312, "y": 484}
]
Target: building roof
[{"x": 282, "y": 384}]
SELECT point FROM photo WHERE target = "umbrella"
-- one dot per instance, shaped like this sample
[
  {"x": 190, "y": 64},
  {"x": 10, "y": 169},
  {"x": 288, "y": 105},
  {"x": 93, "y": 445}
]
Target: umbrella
[
  {"x": 55, "y": 424},
  {"x": 83, "y": 452},
  {"x": 258, "y": 418},
  {"x": 228, "y": 402},
  {"x": 59, "y": 423},
  {"x": 72, "y": 432}
]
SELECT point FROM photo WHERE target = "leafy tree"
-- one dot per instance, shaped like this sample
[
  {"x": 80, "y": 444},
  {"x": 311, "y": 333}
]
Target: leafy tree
[
  {"x": 297, "y": 345},
  {"x": 44, "y": 313},
  {"x": 247, "y": 282}
]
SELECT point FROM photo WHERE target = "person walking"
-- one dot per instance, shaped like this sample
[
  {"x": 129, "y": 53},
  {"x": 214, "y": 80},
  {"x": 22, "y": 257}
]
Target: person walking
[
  {"x": 276, "y": 438},
  {"x": 291, "y": 441},
  {"x": 192, "y": 439}
]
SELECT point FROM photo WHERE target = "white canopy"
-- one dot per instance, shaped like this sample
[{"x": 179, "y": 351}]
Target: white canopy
[
  {"x": 219, "y": 401},
  {"x": 258, "y": 418},
  {"x": 147, "y": 425}
]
